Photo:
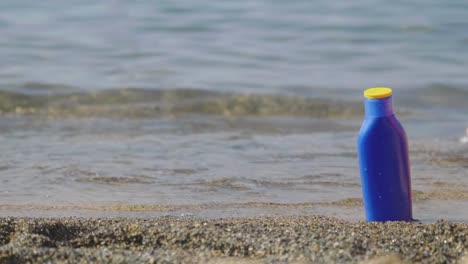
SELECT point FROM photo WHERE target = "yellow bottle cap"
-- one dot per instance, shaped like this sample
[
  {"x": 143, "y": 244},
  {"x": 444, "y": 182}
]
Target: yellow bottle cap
[{"x": 378, "y": 92}]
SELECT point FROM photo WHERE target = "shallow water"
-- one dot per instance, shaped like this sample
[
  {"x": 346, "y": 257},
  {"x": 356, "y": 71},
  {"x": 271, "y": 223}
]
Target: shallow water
[
  {"x": 121, "y": 153},
  {"x": 267, "y": 120}
]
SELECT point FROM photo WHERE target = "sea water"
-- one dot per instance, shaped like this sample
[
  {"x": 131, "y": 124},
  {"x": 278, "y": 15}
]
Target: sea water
[{"x": 219, "y": 109}]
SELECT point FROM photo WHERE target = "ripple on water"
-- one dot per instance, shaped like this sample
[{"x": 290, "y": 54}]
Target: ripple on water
[
  {"x": 117, "y": 180},
  {"x": 151, "y": 103}
]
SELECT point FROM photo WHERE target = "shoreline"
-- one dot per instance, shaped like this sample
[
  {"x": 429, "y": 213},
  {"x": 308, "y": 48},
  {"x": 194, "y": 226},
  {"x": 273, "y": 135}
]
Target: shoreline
[
  {"x": 429, "y": 206},
  {"x": 284, "y": 239}
]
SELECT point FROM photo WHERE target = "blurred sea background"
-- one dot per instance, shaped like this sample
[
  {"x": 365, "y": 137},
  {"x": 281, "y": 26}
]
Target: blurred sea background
[{"x": 224, "y": 108}]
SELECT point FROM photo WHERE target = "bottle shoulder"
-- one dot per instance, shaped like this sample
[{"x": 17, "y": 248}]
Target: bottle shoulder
[{"x": 387, "y": 126}]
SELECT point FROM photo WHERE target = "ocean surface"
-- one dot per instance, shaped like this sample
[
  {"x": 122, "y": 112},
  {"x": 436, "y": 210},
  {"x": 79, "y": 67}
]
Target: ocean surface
[{"x": 224, "y": 108}]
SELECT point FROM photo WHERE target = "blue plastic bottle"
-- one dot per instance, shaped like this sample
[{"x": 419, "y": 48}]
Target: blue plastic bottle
[{"x": 383, "y": 160}]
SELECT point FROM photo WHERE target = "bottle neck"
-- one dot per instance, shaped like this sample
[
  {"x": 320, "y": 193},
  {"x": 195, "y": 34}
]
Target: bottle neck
[{"x": 379, "y": 107}]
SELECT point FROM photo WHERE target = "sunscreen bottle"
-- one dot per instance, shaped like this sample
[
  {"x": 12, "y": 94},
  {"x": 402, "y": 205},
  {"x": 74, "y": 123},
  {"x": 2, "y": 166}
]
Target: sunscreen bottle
[{"x": 383, "y": 160}]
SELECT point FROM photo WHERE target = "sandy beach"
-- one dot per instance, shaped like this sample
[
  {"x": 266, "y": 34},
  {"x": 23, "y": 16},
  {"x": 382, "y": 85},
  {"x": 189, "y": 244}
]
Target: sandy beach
[
  {"x": 229, "y": 131},
  {"x": 294, "y": 239}
]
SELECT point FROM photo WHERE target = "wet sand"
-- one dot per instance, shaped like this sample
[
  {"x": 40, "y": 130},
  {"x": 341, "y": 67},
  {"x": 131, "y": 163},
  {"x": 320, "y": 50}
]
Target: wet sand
[{"x": 293, "y": 239}]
